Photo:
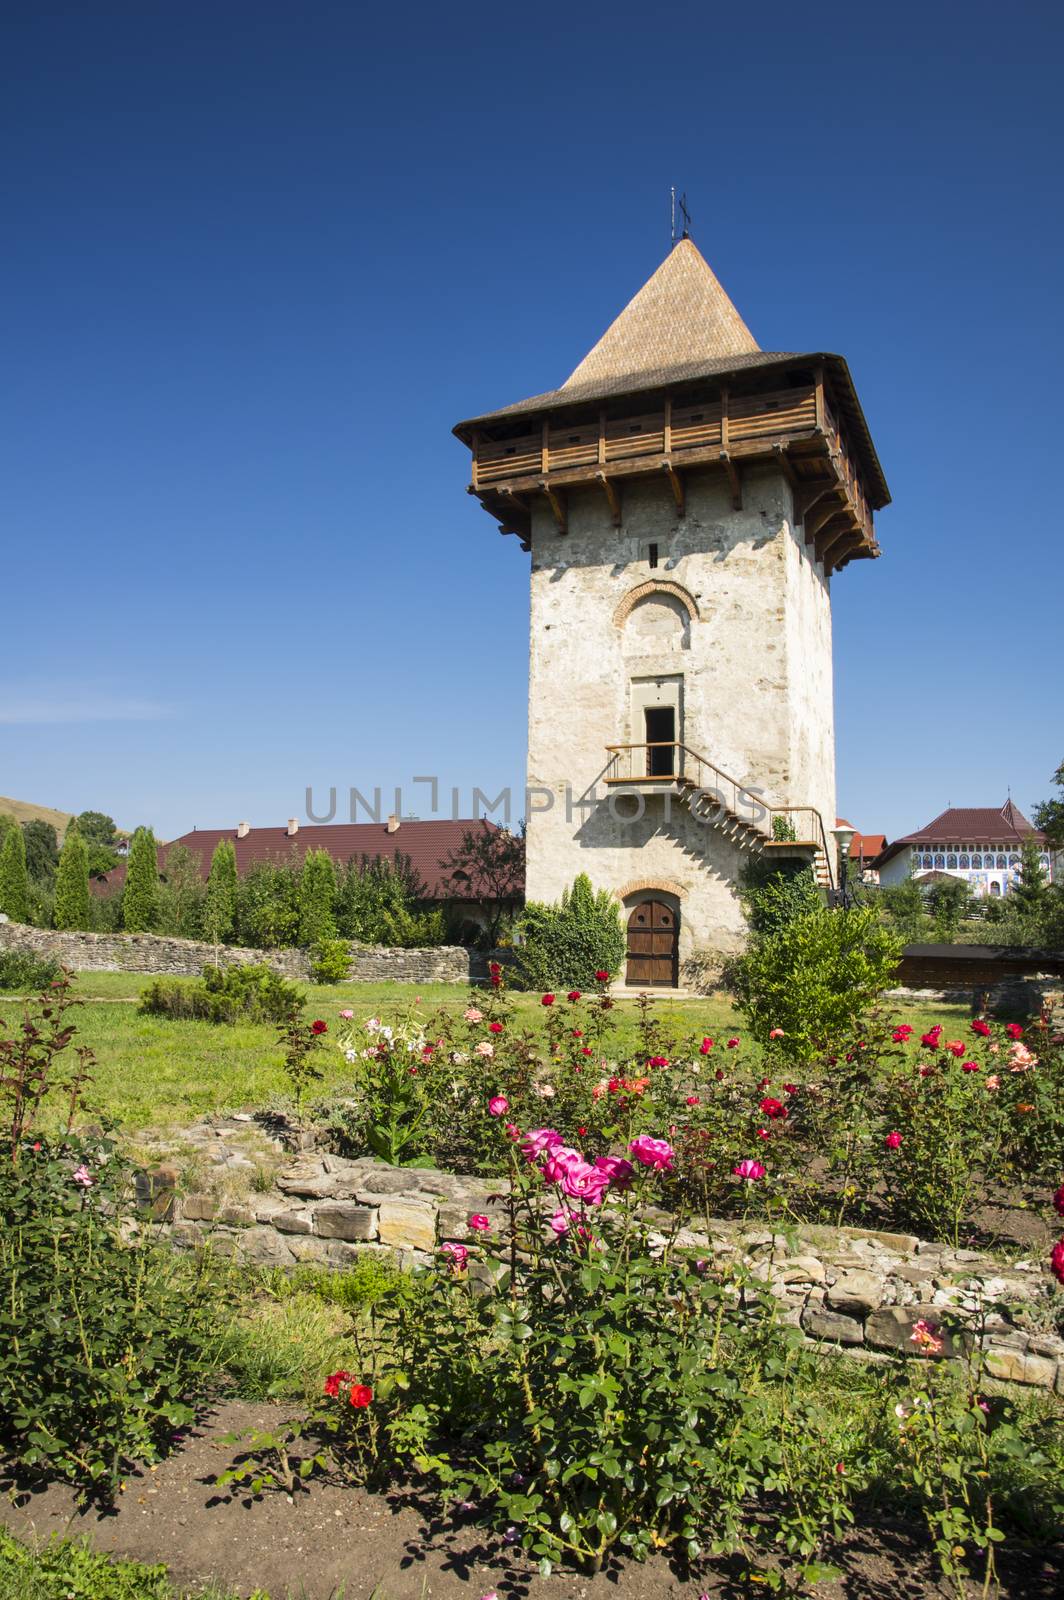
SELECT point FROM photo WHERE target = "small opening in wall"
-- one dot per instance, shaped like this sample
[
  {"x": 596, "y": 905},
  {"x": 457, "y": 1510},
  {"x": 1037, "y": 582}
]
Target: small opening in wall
[{"x": 652, "y": 556}]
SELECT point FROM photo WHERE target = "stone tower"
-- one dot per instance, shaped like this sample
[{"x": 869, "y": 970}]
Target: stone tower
[{"x": 686, "y": 498}]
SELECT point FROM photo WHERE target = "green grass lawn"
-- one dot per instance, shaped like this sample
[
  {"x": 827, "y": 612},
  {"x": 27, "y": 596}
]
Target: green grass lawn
[{"x": 151, "y": 1072}]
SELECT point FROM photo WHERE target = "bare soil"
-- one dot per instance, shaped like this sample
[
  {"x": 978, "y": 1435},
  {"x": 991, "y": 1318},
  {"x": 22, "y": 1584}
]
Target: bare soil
[{"x": 332, "y": 1542}]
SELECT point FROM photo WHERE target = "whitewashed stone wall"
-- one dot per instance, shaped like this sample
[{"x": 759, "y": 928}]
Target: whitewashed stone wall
[{"x": 756, "y": 693}]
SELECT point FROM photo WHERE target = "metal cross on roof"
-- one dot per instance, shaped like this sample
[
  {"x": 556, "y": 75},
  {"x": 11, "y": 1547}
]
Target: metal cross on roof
[{"x": 685, "y": 214}]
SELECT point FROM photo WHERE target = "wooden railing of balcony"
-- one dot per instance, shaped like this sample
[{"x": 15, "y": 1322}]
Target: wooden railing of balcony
[{"x": 795, "y": 425}]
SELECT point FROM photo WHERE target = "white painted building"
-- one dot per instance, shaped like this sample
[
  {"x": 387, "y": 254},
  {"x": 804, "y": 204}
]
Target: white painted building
[
  {"x": 980, "y": 845},
  {"x": 685, "y": 498}
]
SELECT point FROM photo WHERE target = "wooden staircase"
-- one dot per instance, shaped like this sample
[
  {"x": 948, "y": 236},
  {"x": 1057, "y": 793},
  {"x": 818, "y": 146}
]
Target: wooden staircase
[{"x": 717, "y": 800}]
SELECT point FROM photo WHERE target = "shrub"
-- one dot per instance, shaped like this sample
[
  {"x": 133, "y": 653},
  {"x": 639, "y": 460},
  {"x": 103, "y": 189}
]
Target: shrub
[
  {"x": 42, "y": 850},
  {"x": 317, "y": 892},
  {"x": 181, "y": 894},
  {"x": 21, "y": 971},
  {"x": 330, "y": 960},
  {"x": 252, "y": 993},
  {"x": 14, "y": 880},
  {"x": 815, "y": 977},
  {"x": 104, "y": 1335},
  {"x": 219, "y": 910},
  {"x": 140, "y": 895},
  {"x": 267, "y": 906},
  {"x": 72, "y": 882},
  {"x": 589, "y": 1421},
  {"x": 377, "y": 903},
  {"x": 566, "y": 944},
  {"x": 773, "y": 896}
]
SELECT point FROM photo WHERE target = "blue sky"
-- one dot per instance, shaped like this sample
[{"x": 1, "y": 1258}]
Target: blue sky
[{"x": 260, "y": 257}]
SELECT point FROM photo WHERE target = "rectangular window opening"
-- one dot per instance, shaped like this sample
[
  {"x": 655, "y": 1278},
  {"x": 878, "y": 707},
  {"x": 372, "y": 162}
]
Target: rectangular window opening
[{"x": 652, "y": 556}]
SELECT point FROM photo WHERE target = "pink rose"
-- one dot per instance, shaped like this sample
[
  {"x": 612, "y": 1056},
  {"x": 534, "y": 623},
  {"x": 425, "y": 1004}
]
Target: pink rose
[
  {"x": 705, "y": 1047},
  {"x": 776, "y": 1033},
  {"x": 498, "y": 1105},
  {"x": 584, "y": 1182},
  {"x": 618, "y": 1171},
  {"x": 83, "y": 1176},
  {"x": 559, "y": 1159},
  {"x": 893, "y": 1141},
  {"x": 484, "y": 1048},
  {"x": 479, "y": 1223},
  {"x": 539, "y": 1139},
  {"x": 347, "y": 1015},
  {"x": 473, "y": 1015},
  {"x": 749, "y": 1171},
  {"x": 458, "y": 1254},
  {"x": 993, "y": 1082},
  {"x": 655, "y": 1153},
  {"x": 733, "y": 1044},
  {"x": 560, "y": 1221}
]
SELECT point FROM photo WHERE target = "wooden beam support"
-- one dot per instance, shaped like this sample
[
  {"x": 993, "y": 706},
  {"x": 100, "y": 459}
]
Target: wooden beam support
[
  {"x": 783, "y": 461},
  {"x": 732, "y": 469},
  {"x": 810, "y": 495},
  {"x": 821, "y": 415},
  {"x": 475, "y": 447},
  {"x": 544, "y": 449},
  {"x": 837, "y": 530},
  {"x": 602, "y": 439},
  {"x": 614, "y": 498},
  {"x": 842, "y": 548},
  {"x": 676, "y": 485},
  {"x": 556, "y": 499},
  {"x": 818, "y": 519}
]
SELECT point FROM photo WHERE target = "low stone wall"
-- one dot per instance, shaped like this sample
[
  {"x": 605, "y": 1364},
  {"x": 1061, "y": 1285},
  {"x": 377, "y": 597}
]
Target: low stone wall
[
  {"x": 854, "y": 1288},
  {"x": 186, "y": 958},
  {"x": 144, "y": 952}
]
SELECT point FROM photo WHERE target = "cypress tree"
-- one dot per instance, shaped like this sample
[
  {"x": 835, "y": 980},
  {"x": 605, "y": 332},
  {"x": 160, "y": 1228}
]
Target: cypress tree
[
  {"x": 72, "y": 882},
  {"x": 14, "y": 880},
  {"x": 317, "y": 897},
  {"x": 219, "y": 913},
  {"x": 140, "y": 898}
]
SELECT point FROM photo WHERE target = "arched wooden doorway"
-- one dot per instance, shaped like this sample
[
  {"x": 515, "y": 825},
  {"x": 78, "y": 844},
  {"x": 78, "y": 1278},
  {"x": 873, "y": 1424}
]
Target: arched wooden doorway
[{"x": 653, "y": 946}]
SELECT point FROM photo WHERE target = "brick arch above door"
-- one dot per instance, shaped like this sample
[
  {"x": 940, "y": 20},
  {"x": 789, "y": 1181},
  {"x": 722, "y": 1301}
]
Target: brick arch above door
[
  {"x": 676, "y": 591},
  {"x": 651, "y": 886}
]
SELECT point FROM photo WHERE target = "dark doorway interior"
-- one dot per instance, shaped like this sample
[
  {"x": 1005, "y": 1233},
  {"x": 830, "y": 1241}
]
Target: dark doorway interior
[{"x": 661, "y": 731}]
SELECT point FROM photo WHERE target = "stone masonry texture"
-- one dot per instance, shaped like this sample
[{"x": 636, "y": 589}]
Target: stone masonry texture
[
  {"x": 847, "y": 1288},
  {"x": 737, "y": 640},
  {"x": 186, "y": 958}
]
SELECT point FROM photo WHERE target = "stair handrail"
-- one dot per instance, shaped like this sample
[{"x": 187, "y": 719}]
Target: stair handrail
[{"x": 738, "y": 788}]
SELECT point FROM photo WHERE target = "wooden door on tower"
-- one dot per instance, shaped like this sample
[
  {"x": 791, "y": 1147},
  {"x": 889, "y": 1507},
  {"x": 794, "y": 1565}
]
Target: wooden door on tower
[{"x": 652, "y": 946}]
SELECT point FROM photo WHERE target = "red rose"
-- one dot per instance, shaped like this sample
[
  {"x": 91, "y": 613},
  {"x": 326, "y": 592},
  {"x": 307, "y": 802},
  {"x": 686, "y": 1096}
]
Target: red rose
[
  {"x": 773, "y": 1108},
  {"x": 705, "y": 1047},
  {"x": 1014, "y": 1030},
  {"x": 1056, "y": 1261},
  {"x": 574, "y": 994},
  {"x": 494, "y": 1027},
  {"x": 981, "y": 1028},
  {"x": 602, "y": 977},
  {"x": 1058, "y": 1201},
  {"x": 893, "y": 1141},
  {"x": 319, "y": 1027},
  {"x": 657, "y": 1061},
  {"x": 361, "y": 1395},
  {"x": 335, "y": 1382},
  {"x": 547, "y": 1000}
]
